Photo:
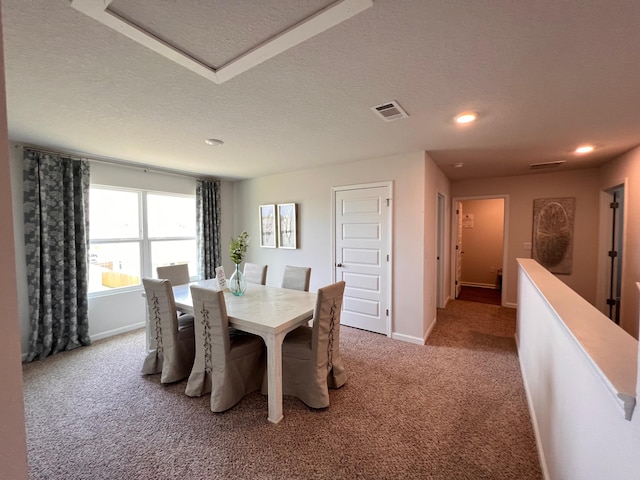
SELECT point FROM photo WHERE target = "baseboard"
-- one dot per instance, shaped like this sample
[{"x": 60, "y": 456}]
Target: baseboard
[
  {"x": 534, "y": 420},
  {"x": 428, "y": 332},
  {"x": 407, "y": 338},
  {"x": 492, "y": 286},
  {"x": 107, "y": 334},
  {"x": 511, "y": 305},
  {"x": 117, "y": 331}
]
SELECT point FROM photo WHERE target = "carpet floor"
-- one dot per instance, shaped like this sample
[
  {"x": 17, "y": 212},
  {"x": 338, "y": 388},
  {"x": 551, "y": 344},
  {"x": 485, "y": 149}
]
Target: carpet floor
[{"x": 452, "y": 409}]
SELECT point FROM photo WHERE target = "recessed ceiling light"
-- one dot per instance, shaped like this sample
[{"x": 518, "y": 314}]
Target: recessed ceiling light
[
  {"x": 584, "y": 149},
  {"x": 214, "y": 142},
  {"x": 466, "y": 117}
]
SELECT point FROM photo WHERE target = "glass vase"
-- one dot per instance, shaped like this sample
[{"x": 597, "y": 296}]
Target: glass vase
[{"x": 237, "y": 282}]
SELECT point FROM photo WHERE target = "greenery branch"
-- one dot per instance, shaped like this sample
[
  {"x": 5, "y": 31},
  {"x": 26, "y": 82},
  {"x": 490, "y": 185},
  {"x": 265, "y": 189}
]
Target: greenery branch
[{"x": 238, "y": 247}]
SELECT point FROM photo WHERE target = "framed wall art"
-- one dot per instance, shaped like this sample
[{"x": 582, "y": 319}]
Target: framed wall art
[
  {"x": 267, "y": 214},
  {"x": 287, "y": 225},
  {"x": 552, "y": 244}
]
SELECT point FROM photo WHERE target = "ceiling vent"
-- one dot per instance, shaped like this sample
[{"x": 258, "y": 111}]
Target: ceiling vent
[
  {"x": 540, "y": 166},
  {"x": 390, "y": 111}
]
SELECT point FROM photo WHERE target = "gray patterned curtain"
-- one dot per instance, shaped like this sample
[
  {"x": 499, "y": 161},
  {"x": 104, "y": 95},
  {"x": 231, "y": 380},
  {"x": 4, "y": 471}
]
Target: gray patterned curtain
[
  {"x": 56, "y": 200},
  {"x": 208, "y": 227}
]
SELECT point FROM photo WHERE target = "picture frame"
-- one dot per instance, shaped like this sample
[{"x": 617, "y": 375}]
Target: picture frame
[
  {"x": 552, "y": 242},
  {"x": 287, "y": 225},
  {"x": 268, "y": 222}
]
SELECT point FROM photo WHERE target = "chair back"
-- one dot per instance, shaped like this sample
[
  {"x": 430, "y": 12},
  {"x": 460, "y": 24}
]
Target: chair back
[
  {"x": 254, "y": 273},
  {"x": 217, "y": 369},
  {"x": 173, "y": 355},
  {"x": 211, "y": 323},
  {"x": 325, "y": 338},
  {"x": 176, "y": 274},
  {"x": 162, "y": 310},
  {"x": 296, "y": 278}
]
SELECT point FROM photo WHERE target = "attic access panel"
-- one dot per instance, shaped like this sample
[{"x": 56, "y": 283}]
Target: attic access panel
[{"x": 242, "y": 50}]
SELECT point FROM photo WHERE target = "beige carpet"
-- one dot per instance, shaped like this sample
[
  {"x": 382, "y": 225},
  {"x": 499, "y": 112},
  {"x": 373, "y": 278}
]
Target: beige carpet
[{"x": 453, "y": 409}]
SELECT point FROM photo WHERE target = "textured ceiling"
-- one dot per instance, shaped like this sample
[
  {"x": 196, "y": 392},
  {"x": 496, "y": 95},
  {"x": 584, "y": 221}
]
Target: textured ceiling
[{"x": 544, "y": 77}]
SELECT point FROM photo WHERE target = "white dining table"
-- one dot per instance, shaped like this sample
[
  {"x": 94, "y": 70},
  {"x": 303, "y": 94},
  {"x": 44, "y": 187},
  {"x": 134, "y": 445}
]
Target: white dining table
[{"x": 269, "y": 312}]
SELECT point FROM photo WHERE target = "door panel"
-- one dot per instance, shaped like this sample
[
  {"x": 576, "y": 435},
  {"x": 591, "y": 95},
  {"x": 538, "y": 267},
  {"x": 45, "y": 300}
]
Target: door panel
[{"x": 362, "y": 248}]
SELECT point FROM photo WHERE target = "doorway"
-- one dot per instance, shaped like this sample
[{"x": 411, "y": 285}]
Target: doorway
[
  {"x": 362, "y": 246},
  {"x": 479, "y": 247},
  {"x": 611, "y": 251}
]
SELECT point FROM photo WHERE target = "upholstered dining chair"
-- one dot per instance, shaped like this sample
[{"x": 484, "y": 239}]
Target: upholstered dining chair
[
  {"x": 296, "y": 278},
  {"x": 311, "y": 360},
  {"x": 177, "y": 274},
  {"x": 175, "y": 348},
  {"x": 254, "y": 273},
  {"x": 229, "y": 365}
]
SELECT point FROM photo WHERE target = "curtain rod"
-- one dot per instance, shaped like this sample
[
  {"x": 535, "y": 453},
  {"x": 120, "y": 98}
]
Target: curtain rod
[{"x": 112, "y": 161}]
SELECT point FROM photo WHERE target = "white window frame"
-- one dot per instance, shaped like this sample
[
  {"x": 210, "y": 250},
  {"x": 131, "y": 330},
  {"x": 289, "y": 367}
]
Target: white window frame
[{"x": 143, "y": 239}]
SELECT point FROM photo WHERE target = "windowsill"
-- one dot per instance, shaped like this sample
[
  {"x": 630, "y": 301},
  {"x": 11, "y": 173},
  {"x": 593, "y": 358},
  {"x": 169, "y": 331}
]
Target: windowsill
[{"x": 116, "y": 291}]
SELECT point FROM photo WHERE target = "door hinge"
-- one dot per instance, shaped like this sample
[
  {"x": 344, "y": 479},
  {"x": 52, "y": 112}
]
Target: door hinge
[
  {"x": 612, "y": 301},
  {"x": 457, "y": 247},
  {"x": 613, "y": 254},
  {"x": 387, "y": 257},
  {"x": 388, "y": 199},
  {"x": 456, "y": 282},
  {"x": 387, "y": 312},
  {"x": 614, "y": 205},
  {"x": 457, "y": 212}
]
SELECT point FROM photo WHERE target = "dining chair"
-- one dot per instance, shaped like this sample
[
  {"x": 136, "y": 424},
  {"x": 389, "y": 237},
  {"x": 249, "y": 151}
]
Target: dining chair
[
  {"x": 296, "y": 278},
  {"x": 254, "y": 273},
  {"x": 311, "y": 360},
  {"x": 177, "y": 274},
  {"x": 228, "y": 363},
  {"x": 174, "y": 337}
]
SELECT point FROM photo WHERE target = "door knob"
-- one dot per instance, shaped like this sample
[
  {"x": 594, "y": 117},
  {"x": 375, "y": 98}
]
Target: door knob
[{"x": 338, "y": 265}]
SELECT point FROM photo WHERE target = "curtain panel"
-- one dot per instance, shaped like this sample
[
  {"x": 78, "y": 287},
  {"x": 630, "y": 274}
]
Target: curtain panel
[
  {"x": 208, "y": 227},
  {"x": 56, "y": 229}
]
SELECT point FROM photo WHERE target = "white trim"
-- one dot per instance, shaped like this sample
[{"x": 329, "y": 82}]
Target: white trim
[
  {"x": 117, "y": 331},
  {"x": 107, "y": 334},
  {"x": 491, "y": 286},
  {"x": 441, "y": 201},
  {"x": 429, "y": 330},
  {"x": 407, "y": 338},
  {"x": 389, "y": 185},
  {"x": 317, "y": 23}
]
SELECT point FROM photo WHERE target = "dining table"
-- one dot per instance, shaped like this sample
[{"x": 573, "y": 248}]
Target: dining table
[{"x": 271, "y": 313}]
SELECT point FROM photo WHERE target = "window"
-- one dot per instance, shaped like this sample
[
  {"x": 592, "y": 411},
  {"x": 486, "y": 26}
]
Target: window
[{"x": 132, "y": 232}]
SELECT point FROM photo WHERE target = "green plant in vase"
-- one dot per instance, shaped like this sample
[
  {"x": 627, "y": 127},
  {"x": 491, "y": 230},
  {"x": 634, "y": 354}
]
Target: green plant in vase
[{"x": 237, "y": 251}]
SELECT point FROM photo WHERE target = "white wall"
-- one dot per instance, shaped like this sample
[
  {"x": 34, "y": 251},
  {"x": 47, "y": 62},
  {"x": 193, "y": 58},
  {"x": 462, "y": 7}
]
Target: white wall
[
  {"x": 626, "y": 170},
  {"x": 435, "y": 183},
  {"x": 522, "y": 190},
  {"x": 413, "y": 296},
  {"x": 574, "y": 363},
  {"x": 117, "y": 312},
  {"x": 13, "y": 446}
]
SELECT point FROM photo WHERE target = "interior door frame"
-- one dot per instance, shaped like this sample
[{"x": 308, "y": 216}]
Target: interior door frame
[
  {"x": 505, "y": 241},
  {"x": 441, "y": 247},
  {"x": 604, "y": 243},
  {"x": 361, "y": 186}
]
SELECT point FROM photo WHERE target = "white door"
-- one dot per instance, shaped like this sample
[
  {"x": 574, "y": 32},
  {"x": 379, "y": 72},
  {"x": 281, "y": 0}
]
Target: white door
[
  {"x": 362, "y": 255},
  {"x": 459, "y": 251}
]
